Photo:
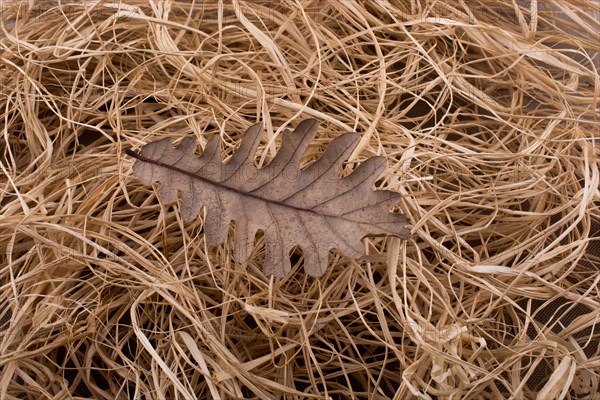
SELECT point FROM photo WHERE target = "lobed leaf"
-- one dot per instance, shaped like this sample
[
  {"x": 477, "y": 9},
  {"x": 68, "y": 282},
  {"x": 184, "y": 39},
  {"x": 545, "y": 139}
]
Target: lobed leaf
[{"x": 313, "y": 208}]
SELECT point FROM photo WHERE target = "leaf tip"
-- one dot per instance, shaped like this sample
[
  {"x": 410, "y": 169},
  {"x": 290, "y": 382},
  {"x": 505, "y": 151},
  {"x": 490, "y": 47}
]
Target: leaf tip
[{"x": 308, "y": 124}]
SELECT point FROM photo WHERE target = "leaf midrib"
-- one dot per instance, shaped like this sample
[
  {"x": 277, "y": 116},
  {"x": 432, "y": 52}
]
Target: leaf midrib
[{"x": 142, "y": 158}]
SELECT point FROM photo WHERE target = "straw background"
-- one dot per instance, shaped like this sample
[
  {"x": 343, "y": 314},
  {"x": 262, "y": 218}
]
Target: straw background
[{"x": 488, "y": 114}]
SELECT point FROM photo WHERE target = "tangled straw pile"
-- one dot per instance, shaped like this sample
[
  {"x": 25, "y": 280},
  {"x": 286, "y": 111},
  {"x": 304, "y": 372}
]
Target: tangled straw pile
[{"x": 488, "y": 115}]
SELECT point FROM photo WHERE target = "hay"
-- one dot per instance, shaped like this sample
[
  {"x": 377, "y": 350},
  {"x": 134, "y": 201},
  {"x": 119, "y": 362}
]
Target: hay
[{"x": 486, "y": 111}]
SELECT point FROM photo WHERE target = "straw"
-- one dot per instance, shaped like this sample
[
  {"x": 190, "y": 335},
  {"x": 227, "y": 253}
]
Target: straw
[{"x": 486, "y": 111}]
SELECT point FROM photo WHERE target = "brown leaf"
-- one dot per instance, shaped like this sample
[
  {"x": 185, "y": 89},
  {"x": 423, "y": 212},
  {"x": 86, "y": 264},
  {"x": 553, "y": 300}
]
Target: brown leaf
[{"x": 313, "y": 208}]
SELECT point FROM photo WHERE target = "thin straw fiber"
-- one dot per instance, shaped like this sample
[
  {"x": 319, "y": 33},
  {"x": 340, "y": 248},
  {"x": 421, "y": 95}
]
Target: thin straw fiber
[{"x": 486, "y": 111}]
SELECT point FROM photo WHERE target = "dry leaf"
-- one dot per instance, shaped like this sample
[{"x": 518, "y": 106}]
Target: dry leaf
[{"x": 313, "y": 208}]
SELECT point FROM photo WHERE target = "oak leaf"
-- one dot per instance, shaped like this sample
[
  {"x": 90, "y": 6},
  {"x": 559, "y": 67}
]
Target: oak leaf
[{"x": 314, "y": 208}]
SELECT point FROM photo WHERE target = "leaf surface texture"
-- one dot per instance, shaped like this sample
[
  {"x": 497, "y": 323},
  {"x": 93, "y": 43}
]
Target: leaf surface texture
[{"x": 313, "y": 208}]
